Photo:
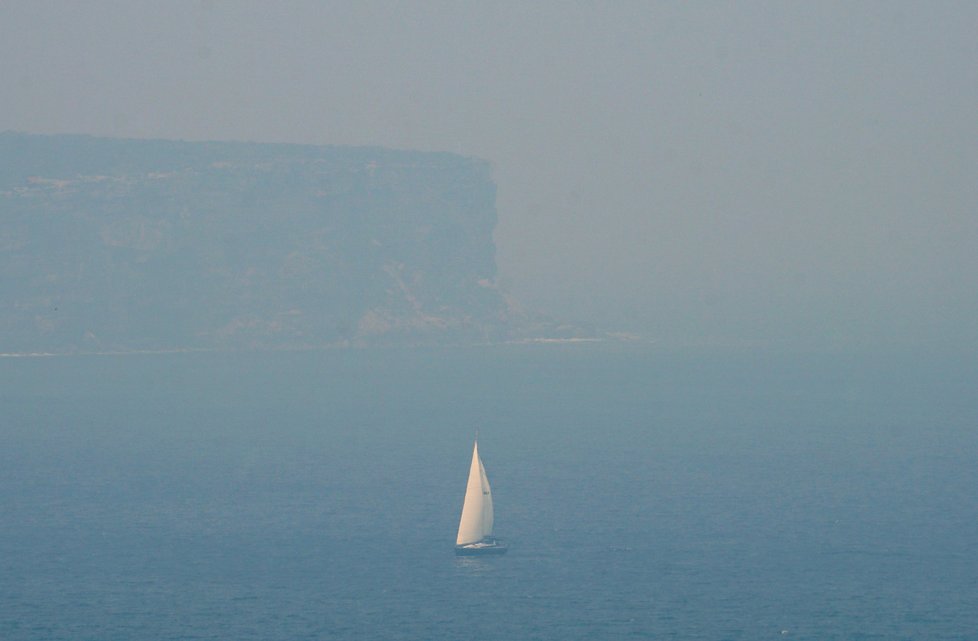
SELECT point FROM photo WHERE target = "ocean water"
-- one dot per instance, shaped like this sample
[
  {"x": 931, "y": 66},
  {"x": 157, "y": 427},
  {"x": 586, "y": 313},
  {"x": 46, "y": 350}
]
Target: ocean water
[{"x": 645, "y": 494}]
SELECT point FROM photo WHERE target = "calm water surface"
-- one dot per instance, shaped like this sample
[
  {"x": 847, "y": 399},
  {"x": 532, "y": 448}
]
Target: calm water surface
[{"x": 644, "y": 494}]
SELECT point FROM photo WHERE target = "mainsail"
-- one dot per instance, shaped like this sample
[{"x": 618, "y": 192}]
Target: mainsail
[{"x": 476, "y": 522}]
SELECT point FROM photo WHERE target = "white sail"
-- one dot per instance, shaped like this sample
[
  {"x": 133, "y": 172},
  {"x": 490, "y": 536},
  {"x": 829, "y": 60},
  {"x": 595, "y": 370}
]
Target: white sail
[
  {"x": 476, "y": 521},
  {"x": 486, "y": 501}
]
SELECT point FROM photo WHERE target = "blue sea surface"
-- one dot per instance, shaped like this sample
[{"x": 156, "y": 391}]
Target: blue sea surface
[{"x": 645, "y": 494}]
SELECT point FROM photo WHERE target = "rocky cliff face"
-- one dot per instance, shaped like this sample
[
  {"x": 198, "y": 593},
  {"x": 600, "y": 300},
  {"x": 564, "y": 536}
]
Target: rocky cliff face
[{"x": 126, "y": 245}]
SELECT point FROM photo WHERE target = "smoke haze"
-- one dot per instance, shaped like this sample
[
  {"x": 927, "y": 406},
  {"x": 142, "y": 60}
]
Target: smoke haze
[{"x": 724, "y": 173}]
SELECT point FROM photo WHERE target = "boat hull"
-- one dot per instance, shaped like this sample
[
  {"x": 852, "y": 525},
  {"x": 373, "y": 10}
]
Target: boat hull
[
  {"x": 488, "y": 545},
  {"x": 480, "y": 550}
]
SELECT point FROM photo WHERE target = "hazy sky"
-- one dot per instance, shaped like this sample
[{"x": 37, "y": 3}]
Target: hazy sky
[{"x": 784, "y": 172}]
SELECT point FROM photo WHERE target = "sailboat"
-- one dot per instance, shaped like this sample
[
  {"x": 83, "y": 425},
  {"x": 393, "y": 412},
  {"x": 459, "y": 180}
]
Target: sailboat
[{"x": 475, "y": 526}]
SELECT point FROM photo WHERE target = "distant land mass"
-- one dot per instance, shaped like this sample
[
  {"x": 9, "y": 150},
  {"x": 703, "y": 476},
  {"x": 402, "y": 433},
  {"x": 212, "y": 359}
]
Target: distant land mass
[{"x": 141, "y": 245}]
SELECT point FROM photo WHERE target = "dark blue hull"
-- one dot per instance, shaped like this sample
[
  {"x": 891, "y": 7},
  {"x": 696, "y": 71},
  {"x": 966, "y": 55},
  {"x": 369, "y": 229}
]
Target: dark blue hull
[
  {"x": 462, "y": 550},
  {"x": 486, "y": 546}
]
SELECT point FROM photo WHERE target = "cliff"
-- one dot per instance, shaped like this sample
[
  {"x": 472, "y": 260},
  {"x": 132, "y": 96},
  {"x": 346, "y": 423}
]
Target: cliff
[{"x": 110, "y": 244}]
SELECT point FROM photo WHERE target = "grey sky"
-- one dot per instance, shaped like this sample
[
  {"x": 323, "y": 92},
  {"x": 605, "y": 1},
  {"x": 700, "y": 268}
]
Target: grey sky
[{"x": 796, "y": 173}]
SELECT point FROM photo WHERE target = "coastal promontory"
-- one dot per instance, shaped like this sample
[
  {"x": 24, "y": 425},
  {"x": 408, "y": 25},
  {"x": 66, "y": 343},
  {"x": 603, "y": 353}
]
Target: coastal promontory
[{"x": 128, "y": 245}]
